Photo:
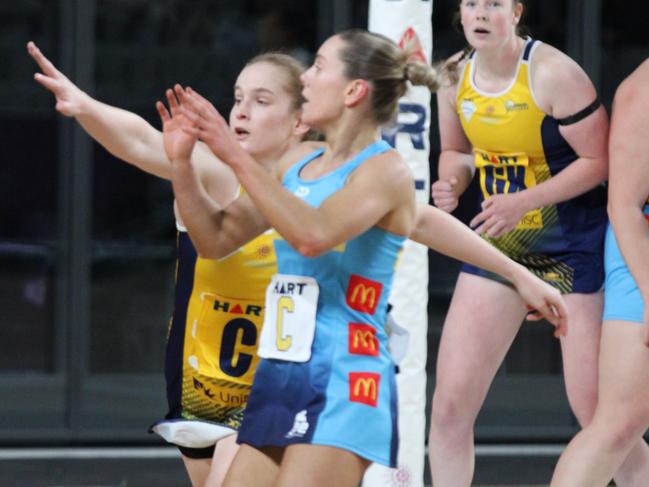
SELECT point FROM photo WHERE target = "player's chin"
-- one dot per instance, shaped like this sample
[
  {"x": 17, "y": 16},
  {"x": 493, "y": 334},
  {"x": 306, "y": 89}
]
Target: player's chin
[{"x": 247, "y": 145}]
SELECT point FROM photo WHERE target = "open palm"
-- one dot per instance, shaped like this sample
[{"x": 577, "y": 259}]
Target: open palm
[
  {"x": 68, "y": 96},
  {"x": 178, "y": 143}
]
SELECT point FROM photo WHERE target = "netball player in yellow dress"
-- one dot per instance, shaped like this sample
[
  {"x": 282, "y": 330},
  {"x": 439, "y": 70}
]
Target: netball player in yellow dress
[
  {"x": 525, "y": 118},
  {"x": 211, "y": 349}
]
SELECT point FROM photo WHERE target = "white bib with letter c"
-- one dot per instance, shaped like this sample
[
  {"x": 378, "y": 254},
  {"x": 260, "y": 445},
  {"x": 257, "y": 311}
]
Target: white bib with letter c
[{"x": 289, "y": 323}]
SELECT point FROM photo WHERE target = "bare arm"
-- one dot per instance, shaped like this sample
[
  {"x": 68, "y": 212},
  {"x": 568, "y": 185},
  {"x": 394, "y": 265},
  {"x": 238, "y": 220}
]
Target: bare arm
[
  {"x": 456, "y": 166},
  {"x": 380, "y": 193},
  {"x": 447, "y": 235},
  {"x": 629, "y": 182},
  {"x": 563, "y": 89},
  {"x": 216, "y": 230},
  {"x": 126, "y": 135}
]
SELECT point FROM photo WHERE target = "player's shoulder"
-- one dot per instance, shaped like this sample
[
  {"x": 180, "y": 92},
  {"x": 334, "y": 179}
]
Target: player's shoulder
[
  {"x": 551, "y": 65},
  {"x": 561, "y": 86},
  {"x": 635, "y": 85},
  {"x": 390, "y": 167},
  {"x": 301, "y": 150},
  {"x": 297, "y": 153}
]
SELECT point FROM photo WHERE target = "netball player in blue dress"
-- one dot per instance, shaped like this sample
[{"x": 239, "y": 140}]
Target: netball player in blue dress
[
  {"x": 323, "y": 404},
  {"x": 622, "y": 414}
]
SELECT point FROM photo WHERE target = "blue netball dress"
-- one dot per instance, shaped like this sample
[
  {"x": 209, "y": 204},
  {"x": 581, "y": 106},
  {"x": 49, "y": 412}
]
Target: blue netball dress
[
  {"x": 333, "y": 384},
  {"x": 622, "y": 298}
]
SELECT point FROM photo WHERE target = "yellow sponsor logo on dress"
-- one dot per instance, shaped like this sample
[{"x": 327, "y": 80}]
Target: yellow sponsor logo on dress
[
  {"x": 363, "y": 294},
  {"x": 221, "y": 395},
  {"x": 362, "y": 340},
  {"x": 364, "y": 387},
  {"x": 485, "y": 158},
  {"x": 531, "y": 221},
  {"x": 552, "y": 276}
]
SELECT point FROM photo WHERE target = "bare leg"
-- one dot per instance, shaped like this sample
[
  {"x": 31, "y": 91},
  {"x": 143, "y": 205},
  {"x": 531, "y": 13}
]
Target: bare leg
[
  {"x": 634, "y": 471},
  {"x": 621, "y": 418},
  {"x": 580, "y": 353},
  {"x": 224, "y": 453},
  {"x": 482, "y": 321},
  {"x": 198, "y": 470},
  {"x": 320, "y": 466},
  {"x": 254, "y": 467}
]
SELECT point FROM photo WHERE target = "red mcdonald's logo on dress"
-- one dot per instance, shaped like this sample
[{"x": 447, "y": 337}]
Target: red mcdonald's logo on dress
[
  {"x": 363, "y": 295},
  {"x": 362, "y": 340},
  {"x": 364, "y": 387}
]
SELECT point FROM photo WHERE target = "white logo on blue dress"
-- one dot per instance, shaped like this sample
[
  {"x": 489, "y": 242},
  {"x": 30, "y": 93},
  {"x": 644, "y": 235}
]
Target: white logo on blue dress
[
  {"x": 300, "y": 426},
  {"x": 302, "y": 191}
]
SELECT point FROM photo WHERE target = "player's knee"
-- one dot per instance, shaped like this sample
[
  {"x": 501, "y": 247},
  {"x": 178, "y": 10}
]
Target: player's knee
[
  {"x": 620, "y": 438},
  {"x": 450, "y": 412},
  {"x": 624, "y": 432}
]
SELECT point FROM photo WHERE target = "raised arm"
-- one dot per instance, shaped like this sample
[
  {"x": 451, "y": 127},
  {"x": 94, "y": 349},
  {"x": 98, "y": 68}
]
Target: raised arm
[
  {"x": 381, "y": 193},
  {"x": 377, "y": 192},
  {"x": 124, "y": 134},
  {"x": 216, "y": 230},
  {"x": 629, "y": 180},
  {"x": 447, "y": 235}
]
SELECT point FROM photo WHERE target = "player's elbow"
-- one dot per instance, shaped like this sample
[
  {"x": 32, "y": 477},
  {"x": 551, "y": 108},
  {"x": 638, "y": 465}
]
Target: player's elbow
[
  {"x": 311, "y": 244},
  {"x": 212, "y": 249},
  {"x": 207, "y": 252},
  {"x": 310, "y": 250}
]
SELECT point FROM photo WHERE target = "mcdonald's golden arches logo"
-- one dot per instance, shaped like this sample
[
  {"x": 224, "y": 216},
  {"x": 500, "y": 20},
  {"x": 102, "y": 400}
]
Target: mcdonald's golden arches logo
[
  {"x": 363, "y": 294},
  {"x": 364, "y": 387},
  {"x": 362, "y": 339}
]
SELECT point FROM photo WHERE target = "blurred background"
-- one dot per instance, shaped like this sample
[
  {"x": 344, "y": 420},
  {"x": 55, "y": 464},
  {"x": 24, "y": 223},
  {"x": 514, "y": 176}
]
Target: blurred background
[{"x": 87, "y": 243}]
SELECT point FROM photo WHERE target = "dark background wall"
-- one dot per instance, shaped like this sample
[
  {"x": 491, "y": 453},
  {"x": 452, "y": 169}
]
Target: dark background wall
[{"x": 87, "y": 242}]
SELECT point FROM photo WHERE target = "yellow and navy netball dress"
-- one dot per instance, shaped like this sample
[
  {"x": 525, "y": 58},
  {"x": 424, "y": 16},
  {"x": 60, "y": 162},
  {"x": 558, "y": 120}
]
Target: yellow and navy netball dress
[
  {"x": 327, "y": 377},
  {"x": 212, "y": 344},
  {"x": 517, "y": 146}
]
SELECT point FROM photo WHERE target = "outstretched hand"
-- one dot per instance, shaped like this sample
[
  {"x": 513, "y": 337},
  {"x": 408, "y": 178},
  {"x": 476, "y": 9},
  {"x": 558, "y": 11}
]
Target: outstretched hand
[
  {"x": 178, "y": 142},
  {"x": 543, "y": 301},
  {"x": 68, "y": 95},
  {"x": 210, "y": 127}
]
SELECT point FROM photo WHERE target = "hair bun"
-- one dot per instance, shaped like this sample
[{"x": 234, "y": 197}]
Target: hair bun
[{"x": 422, "y": 74}]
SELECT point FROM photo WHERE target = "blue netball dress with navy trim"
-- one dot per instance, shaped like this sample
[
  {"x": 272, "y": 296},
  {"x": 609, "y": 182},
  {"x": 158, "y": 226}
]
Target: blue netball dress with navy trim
[
  {"x": 516, "y": 147},
  {"x": 344, "y": 395}
]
